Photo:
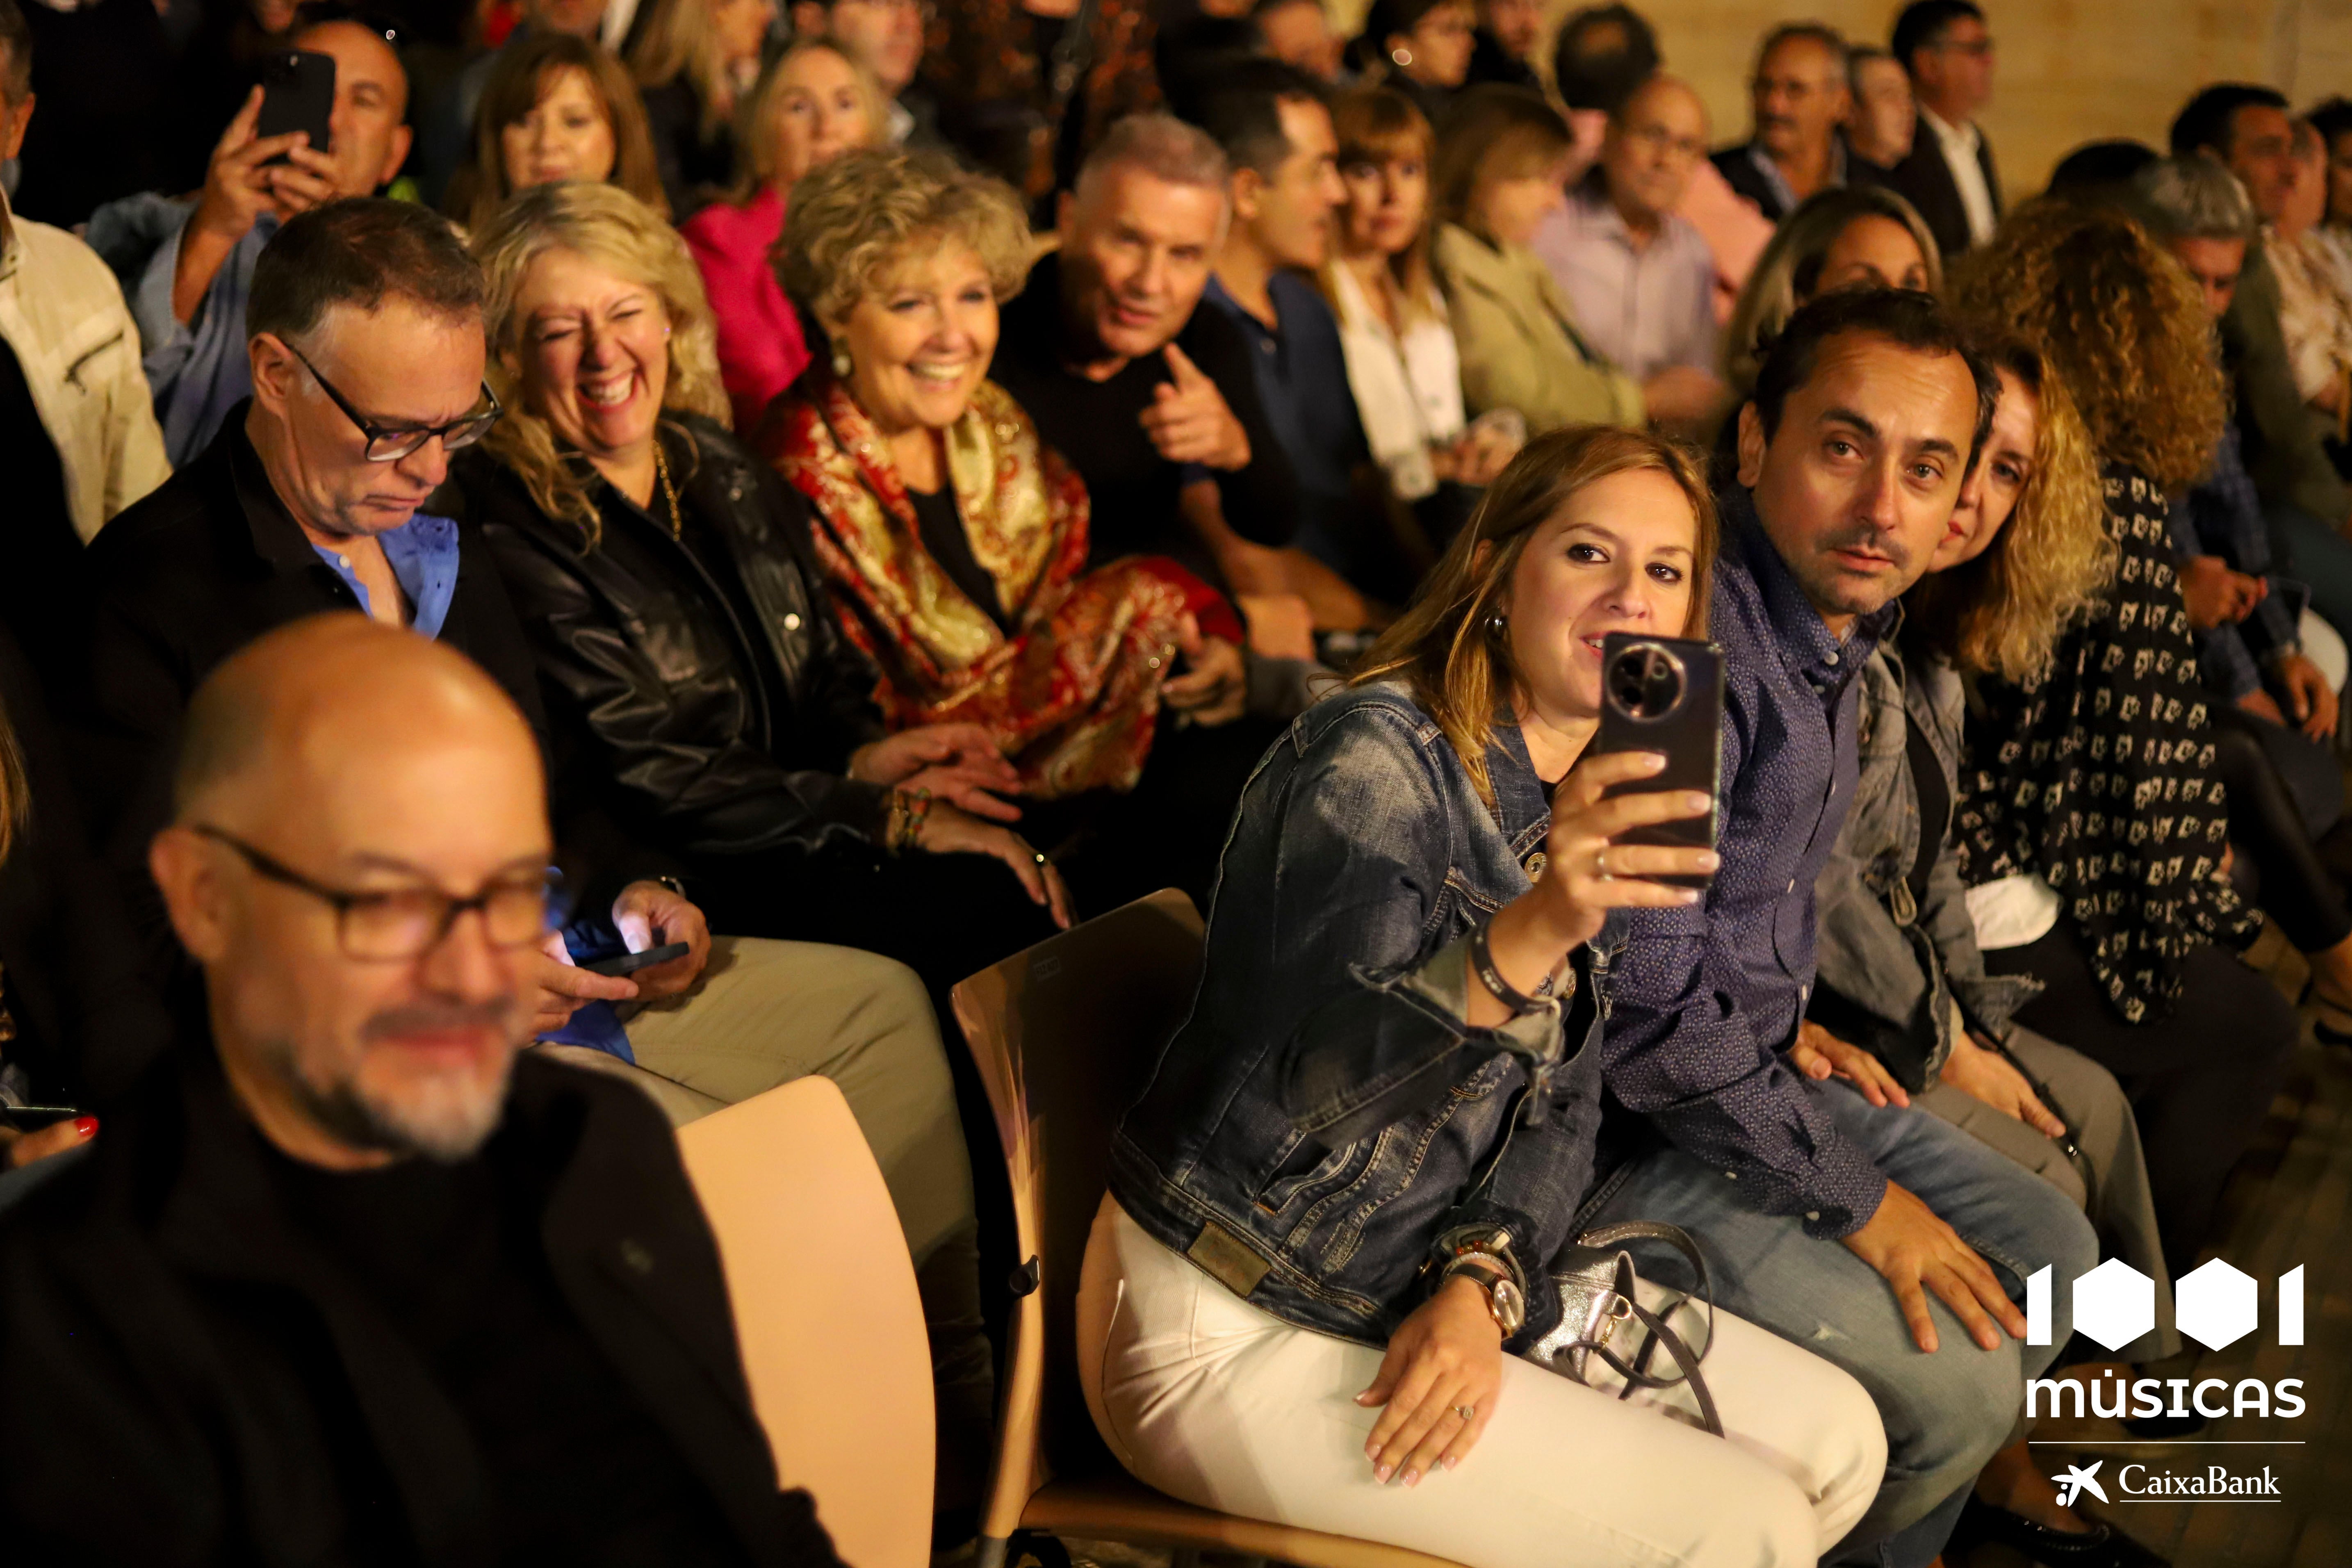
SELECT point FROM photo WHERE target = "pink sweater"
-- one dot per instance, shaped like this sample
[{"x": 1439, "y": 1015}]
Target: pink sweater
[{"x": 759, "y": 346}]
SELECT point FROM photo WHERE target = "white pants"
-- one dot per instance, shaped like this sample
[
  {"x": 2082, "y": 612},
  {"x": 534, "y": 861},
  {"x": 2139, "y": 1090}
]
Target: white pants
[{"x": 1213, "y": 1401}]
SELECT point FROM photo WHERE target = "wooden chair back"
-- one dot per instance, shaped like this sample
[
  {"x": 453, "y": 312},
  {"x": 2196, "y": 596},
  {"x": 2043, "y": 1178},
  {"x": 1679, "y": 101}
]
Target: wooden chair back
[
  {"x": 1064, "y": 1036},
  {"x": 826, "y": 1312}
]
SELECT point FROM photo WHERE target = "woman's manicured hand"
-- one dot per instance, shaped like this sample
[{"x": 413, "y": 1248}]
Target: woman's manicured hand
[
  {"x": 1587, "y": 874},
  {"x": 1446, "y": 1358},
  {"x": 947, "y": 831},
  {"x": 1818, "y": 1054}
]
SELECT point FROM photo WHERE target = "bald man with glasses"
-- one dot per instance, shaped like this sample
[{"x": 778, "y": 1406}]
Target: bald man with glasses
[{"x": 352, "y": 1276}]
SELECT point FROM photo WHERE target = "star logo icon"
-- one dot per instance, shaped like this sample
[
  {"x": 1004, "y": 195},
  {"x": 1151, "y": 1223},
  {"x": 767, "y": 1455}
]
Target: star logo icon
[{"x": 2078, "y": 1480}]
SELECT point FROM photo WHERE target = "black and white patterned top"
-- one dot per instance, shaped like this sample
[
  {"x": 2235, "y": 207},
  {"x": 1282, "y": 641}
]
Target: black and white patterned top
[{"x": 2098, "y": 774}]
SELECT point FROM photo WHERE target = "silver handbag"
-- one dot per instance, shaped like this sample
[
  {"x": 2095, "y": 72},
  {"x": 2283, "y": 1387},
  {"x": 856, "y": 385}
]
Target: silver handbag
[{"x": 1595, "y": 1278}]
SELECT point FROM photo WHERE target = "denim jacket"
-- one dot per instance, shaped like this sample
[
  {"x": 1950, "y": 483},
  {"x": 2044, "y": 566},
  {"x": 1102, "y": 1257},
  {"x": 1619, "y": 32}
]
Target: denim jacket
[
  {"x": 1890, "y": 965},
  {"x": 1327, "y": 1115}
]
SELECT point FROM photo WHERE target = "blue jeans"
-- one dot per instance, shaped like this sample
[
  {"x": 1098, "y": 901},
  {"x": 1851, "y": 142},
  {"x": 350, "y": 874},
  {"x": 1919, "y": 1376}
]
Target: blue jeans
[{"x": 1945, "y": 1414}]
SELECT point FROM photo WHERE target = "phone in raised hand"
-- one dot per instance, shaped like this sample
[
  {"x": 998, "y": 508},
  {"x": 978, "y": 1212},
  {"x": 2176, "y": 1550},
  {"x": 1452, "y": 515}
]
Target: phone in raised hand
[{"x": 1665, "y": 695}]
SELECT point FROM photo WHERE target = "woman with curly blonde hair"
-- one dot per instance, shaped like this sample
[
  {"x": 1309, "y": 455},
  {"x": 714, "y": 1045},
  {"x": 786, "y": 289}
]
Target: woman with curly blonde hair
[
  {"x": 959, "y": 545},
  {"x": 2092, "y": 818},
  {"x": 2123, "y": 322}
]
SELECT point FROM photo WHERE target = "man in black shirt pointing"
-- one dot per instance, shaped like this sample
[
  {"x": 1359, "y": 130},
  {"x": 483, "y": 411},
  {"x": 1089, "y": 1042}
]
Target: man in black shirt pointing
[{"x": 1147, "y": 397}]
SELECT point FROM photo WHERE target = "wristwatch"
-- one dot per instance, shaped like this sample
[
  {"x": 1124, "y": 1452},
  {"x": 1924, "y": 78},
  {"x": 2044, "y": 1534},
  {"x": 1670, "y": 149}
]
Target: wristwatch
[{"x": 1485, "y": 1253}]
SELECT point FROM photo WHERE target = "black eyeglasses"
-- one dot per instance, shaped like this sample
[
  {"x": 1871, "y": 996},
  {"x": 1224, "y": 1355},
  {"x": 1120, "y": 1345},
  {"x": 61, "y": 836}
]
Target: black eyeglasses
[
  {"x": 398, "y": 923},
  {"x": 386, "y": 445}
]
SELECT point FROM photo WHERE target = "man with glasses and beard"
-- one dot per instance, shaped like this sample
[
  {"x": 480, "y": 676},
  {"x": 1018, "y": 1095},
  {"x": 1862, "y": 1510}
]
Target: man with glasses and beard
[{"x": 353, "y": 1280}]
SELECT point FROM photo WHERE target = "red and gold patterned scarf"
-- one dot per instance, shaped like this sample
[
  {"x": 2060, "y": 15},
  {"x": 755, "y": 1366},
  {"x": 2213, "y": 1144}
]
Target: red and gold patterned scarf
[{"x": 1072, "y": 694}]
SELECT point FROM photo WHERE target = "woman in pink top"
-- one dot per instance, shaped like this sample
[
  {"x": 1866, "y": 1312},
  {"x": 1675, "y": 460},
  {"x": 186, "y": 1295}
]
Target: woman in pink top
[{"x": 814, "y": 102}]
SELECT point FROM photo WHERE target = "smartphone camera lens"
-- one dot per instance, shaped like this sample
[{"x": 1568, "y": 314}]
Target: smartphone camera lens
[{"x": 1645, "y": 681}]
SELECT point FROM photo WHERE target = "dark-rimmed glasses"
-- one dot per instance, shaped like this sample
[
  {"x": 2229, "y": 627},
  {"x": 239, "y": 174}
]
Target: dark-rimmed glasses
[
  {"x": 387, "y": 445},
  {"x": 398, "y": 923}
]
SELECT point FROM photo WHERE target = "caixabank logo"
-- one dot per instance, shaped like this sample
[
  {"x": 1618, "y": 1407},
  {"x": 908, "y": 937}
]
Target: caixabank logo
[{"x": 2214, "y": 1304}]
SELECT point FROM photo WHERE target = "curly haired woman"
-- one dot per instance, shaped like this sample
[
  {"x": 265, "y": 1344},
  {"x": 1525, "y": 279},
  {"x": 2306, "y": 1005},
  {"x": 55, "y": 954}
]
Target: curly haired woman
[{"x": 2093, "y": 819}]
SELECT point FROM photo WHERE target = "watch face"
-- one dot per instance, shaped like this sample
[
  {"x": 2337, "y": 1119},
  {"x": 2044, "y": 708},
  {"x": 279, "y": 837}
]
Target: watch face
[{"x": 1510, "y": 1310}]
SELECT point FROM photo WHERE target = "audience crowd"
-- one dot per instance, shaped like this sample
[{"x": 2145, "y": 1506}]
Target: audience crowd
[{"x": 841, "y": 492}]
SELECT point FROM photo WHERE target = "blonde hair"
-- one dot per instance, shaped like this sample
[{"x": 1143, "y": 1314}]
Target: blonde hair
[
  {"x": 1381, "y": 125},
  {"x": 614, "y": 228},
  {"x": 526, "y": 71},
  {"x": 2002, "y": 613},
  {"x": 755, "y": 142},
  {"x": 1789, "y": 270},
  {"x": 2120, "y": 321},
  {"x": 858, "y": 218},
  {"x": 1442, "y": 647},
  {"x": 679, "y": 37}
]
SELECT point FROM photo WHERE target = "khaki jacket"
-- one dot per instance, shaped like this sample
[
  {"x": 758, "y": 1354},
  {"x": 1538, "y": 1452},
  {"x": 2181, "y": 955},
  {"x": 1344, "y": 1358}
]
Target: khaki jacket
[
  {"x": 62, "y": 312},
  {"x": 1520, "y": 348}
]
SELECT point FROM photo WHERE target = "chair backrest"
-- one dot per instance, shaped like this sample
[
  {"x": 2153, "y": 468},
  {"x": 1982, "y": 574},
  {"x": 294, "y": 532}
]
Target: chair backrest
[
  {"x": 1063, "y": 1034},
  {"x": 826, "y": 1312}
]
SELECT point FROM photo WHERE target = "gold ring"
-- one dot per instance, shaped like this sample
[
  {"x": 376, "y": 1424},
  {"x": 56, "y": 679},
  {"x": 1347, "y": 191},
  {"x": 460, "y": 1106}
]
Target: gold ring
[
  {"x": 1040, "y": 859},
  {"x": 1467, "y": 1412}
]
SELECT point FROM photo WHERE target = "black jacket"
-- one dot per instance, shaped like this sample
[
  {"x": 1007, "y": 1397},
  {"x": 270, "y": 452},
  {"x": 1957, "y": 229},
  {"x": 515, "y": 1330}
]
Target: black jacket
[
  {"x": 1925, "y": 180},
  {"x": 182, "y": 1362},
  {"x": 206, "y": 563},
  {"x": 88, "y": 1024},
  {"x": 709, "y": 736}
]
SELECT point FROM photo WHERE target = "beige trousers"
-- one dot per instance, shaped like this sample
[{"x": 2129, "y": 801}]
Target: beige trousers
[
  {"x": 1225, "y": 1406},
  {"x": 766, "y": 1013}
]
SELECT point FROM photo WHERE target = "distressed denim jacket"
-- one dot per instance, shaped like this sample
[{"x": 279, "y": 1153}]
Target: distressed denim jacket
[
  {"x": 1327, "y": 1115},
  {"x": 1891, "y": 965}
]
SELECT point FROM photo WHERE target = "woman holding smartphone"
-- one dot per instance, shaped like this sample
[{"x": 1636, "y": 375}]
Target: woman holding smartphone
[{"x": 1331, "y": 1211}]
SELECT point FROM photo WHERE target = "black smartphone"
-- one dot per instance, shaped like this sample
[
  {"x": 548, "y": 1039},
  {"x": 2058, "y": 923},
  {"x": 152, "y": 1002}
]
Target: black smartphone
[
  {"x": 1665, "y": 694},
  {"x": 298, "y": 93},
  {"x": 630, "y": 962}
]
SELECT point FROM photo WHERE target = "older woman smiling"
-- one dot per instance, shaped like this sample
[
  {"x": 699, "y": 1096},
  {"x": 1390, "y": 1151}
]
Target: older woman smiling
[{"x": 955, "y": 541}]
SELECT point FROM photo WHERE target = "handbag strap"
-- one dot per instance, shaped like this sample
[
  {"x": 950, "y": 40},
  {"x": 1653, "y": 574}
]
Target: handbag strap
[
  {"x": 1682, "y": 1241},
  {"x": 1676, "y": 1347}
]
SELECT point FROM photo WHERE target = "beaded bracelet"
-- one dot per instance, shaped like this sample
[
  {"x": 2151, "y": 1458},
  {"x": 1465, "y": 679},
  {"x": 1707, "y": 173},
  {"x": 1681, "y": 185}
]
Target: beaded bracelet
[{"x": 909, "y": 811}]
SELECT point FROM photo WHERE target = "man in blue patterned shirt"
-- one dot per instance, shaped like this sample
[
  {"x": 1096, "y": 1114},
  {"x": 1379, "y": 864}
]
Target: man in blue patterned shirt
[{"x": 1866, "y": 419}]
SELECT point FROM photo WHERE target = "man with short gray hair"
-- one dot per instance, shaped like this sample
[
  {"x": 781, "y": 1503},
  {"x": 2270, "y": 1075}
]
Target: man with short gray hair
[
  {"x": 1142, "y": 392},
  {"x": 1800, "y": 99}
]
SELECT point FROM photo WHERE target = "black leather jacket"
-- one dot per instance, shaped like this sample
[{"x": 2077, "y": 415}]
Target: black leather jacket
[{"x": 713, "y": 730}]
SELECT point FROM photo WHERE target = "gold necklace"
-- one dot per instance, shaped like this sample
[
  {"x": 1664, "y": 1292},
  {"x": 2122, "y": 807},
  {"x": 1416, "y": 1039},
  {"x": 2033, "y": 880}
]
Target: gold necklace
[{"x": 669, "y": 491}]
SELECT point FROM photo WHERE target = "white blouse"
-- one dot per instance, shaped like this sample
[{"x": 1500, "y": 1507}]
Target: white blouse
[{"x": 1407, "y": 389}]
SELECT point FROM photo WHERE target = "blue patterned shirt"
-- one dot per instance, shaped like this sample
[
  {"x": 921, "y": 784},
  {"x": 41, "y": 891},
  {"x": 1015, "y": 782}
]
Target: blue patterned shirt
[{"x": 1707, "y": 996}]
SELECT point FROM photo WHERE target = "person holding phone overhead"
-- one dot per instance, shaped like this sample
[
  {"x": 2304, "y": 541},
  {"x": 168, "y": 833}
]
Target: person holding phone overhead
[
  {"x": 189, "y": 298},
  {"x": 1418, "y": 913}
]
